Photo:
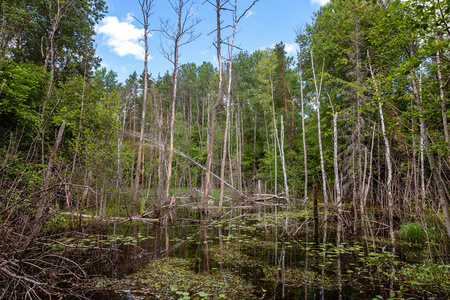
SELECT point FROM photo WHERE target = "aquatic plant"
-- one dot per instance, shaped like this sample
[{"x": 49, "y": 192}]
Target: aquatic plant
[{"x": 174, "y": 278}]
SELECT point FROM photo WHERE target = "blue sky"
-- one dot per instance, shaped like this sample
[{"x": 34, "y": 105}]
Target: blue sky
[{"x": 119, "y": 36}]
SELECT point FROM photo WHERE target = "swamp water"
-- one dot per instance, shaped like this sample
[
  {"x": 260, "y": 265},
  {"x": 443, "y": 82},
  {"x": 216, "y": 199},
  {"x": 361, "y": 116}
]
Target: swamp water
[{"x": 246, "y": 257}]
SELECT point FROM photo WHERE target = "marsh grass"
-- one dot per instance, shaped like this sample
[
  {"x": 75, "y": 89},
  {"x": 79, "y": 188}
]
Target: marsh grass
[{"x": 413, "y": 233}]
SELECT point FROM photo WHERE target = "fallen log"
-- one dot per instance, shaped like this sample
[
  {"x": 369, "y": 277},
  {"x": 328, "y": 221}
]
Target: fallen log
[{"x": 111, "y": 219}]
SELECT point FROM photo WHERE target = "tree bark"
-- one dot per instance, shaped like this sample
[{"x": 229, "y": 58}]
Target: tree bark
[
  {"x": 227, "y": 120},
  {"x": 212, "y": 128},
  {"x": 443, "y": 96},
  {"x": 146, "y": 8},
  {"x": 42, "y": 209},
  {"x": 173, "y": 98},
  {"x": 388, "y": 159},
  {"x": 322, "y": 165},
  {"x": 305, "y": 156}
]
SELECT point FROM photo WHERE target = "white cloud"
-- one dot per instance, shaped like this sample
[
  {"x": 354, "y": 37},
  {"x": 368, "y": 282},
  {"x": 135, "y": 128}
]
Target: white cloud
[
  {"x": 129, "y": 18},
  {"x": 122, "y": 37},
  {"x": 249, "y": 14},
  {"x": 320, "y": 2},
  {"x": 291, "y": 49}
]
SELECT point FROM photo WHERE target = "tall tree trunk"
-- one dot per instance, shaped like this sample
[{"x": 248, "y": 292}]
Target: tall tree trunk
[
  {"x": 283, "y": 163},
  {"x": 275, "y": 140},
  {"x": 425, "y": 145},
  {"x": 227, "y": 120},
  {"x": 146, "y": 8},
  {"x": 322, "y": 165},
  {"x": 186, "y": 140},
  {"x": 305, "y": 156},
  {"x": 358, "y": 123},
  {"x": 337, "y": 185},
  {"x": 388, "y": 159},
  {"x": 218, "y": 8},
  {"x": 443, "y": 96},
  {"x": 173, "y": 98},
  {"x": 42, "y": 208}
]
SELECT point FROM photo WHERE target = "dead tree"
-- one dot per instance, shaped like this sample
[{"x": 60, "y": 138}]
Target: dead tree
[
  {"x": 185, "y": 12},
  {"x": 236, "y": 20},
  {"x": 146, "y": 6}
]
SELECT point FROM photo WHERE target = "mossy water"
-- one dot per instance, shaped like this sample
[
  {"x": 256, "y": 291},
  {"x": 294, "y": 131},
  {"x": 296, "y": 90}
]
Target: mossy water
[{"x": 251, "y": 256}]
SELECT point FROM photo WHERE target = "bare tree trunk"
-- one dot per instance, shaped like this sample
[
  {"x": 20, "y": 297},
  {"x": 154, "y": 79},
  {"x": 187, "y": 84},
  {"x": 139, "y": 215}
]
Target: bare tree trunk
[
  {"x": 239, "y": 138},
  {"x": 182, "y": 30},
  {"x": 229, "y": 153},
  {"x": 187, "y": 148},
  {"x": 425, "y": 145},
  {"x": 283, "y": 163},
  {"x": 160, "y": 162},
  {"x": 300, "y": 72},
  {"x": 337, "y": 185},
  {"x": 315, "y": 212},
  {"x": 337, "y": 188},
  {"x": 173, "y": 98},
  {"x": 146, "y": 6},
  {"x": 227, "y": 120},
  {"x": 443, "y": 96},
  {"x": 322, "y": 165},
  {"x": 275, "y": 143},
  {"x": 358, "y": 123},
  {"x": 42, "y": 208},
  {"x": 389, "y": 178},
  {"x": 218, "y": 8},
  {"x": 422, "y": 144},
  {"x": 388, "y": 161}
]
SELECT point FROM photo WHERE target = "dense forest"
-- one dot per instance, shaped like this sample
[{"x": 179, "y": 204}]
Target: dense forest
[{"x": 346, "y": 145}]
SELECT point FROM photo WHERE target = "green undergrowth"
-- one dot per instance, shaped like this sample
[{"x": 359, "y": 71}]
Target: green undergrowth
[
  {"x": 174, "y": 278},
  {"x": 413, "y": 233}
]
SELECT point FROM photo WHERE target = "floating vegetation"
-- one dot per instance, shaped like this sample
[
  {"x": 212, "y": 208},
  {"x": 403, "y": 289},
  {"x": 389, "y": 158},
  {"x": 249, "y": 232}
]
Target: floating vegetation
[{"x": 174, "y": 278}]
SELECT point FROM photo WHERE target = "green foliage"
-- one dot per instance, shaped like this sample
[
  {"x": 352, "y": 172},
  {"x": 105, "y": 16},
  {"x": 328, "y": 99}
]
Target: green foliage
[
  {"x": 22, "y": 85},
  {"x": 174, "y": 277},
  {"x": 413, "y": 233}
]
